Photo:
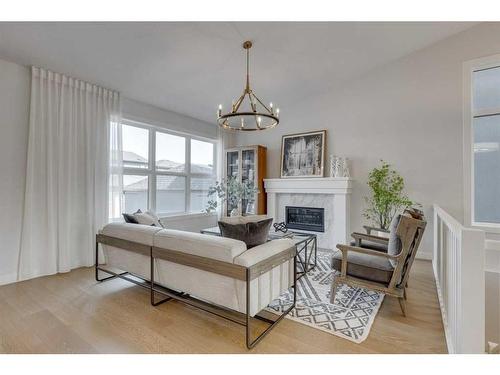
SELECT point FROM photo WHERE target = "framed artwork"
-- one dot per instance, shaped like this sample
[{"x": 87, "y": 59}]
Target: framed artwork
[{"x": 303, "y": 155}]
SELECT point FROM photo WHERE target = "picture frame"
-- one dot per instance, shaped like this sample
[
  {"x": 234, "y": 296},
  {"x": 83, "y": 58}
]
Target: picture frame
[{"x": 303, "y": 155}]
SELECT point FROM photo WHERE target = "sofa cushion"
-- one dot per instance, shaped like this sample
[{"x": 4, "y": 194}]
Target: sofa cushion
[
  {"x": 367, "y": 267},
  {"x": 219, "y": 248},
  {"x": 131, "y": 232},
  {"x": 262, "y": 252},
  {"x": 253, "y": 232}
]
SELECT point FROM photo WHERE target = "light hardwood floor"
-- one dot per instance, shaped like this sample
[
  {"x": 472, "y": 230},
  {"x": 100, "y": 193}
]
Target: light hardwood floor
[{"x": 72, "y": 313}]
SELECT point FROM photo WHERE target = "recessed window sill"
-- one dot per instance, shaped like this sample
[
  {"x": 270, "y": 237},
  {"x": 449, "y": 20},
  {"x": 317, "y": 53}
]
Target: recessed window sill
[
  {"x": 487, "y": 227},
  {"x": 187, "y": 215}
]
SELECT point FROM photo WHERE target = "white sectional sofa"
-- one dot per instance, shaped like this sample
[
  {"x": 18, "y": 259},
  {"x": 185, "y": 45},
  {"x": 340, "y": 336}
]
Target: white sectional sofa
[{"x": 216, "y": 270}]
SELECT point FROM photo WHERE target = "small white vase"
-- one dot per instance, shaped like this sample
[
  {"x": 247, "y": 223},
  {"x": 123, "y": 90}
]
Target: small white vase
[
  {"x": 234, "y": 212},
  {"x": 335, "y": 166},
  {"x": 332, "y": 166},
  {"x": 345, "y": 168}
]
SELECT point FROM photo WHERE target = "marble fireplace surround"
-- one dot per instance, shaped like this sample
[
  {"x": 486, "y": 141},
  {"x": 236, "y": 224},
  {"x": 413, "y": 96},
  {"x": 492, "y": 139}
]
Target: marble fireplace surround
[{"x": 331, "y": 193}]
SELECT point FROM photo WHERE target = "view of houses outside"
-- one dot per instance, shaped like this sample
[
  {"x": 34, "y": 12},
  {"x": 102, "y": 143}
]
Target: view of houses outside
[
  {"x": 170, "y": 190},
  {"x": 169, "y": 158}
]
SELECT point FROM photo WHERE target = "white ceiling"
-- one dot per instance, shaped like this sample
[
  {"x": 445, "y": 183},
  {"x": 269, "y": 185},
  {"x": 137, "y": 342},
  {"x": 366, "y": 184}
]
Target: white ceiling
[{"x": 192, "y": 67}]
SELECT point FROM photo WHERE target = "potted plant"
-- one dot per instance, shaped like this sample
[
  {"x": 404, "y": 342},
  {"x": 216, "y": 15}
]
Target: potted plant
[
  {"x": 231, "y": 191},
  {"x": 388, "y": 197}
]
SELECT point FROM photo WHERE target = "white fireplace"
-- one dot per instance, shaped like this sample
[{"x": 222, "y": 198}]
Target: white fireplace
[{"x": 331, "y": 193}]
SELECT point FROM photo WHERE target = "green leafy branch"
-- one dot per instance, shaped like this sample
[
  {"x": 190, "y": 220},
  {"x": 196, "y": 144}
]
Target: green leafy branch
[
  {"x": 388, "y": 196},
  {"x": 229, "y": 190}
]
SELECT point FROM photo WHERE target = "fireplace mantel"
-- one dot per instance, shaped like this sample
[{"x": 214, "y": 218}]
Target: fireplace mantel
[
  {"x": 326, "y": 185},
  {"x": 333, "y": 193}
]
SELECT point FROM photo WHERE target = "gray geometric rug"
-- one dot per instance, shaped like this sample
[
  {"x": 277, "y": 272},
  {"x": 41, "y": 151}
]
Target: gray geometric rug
[{"x": 350, "y": 316}]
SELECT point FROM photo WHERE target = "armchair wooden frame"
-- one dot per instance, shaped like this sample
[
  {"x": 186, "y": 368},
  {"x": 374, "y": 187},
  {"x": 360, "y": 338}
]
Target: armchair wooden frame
[
  {"x": 358, "y": 237},
  {"x": 237, "y": 272},
  {"x": 369, "y": 229},
  {"x": 410, "y": 232}
]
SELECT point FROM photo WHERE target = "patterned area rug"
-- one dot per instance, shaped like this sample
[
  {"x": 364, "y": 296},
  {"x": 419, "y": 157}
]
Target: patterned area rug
[{"x": 350, "y": 316}]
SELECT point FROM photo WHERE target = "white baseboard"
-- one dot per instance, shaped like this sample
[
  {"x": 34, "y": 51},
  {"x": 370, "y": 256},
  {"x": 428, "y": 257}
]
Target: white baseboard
[
  {"x": 423, "y": 255},
  {"x": 8, "y": 278},
  {"x": 492, "y": 256}
]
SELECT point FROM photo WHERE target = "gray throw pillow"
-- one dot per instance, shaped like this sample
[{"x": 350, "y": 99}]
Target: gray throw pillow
[
  {"x": 252, "y": 233},
  {"x": 129, "y": 218},
  {"x": 148, "y": 218},
  {"x": 394, "y": 245}
]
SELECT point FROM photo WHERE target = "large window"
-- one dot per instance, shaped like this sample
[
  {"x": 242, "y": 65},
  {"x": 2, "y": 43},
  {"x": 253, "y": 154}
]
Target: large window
[
  {"x": 164, "y": 171},
  {"x": 485, "y": 133}
]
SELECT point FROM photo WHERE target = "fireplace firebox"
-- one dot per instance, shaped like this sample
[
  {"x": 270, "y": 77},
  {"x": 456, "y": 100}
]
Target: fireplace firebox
[{"x": 305, "y": 218}]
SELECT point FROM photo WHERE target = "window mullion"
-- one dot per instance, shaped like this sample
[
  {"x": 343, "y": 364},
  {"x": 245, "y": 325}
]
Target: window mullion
[
  {"x": 188, "y": 174},
  {"x": 153, "y": 175},
  {"x": 152, "y": 170},
  {"x": 481, "y": 156}
]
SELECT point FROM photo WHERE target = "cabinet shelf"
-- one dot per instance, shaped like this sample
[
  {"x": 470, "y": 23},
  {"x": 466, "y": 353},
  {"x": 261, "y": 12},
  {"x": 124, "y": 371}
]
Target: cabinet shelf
[{"x": 244, "y": 163}]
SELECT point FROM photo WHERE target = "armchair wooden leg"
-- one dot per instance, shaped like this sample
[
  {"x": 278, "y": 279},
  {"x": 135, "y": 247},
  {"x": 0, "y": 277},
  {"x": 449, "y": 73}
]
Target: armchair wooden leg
[
  {"x": 334, "y": 290},
  {"x": 402, "y": 304}
]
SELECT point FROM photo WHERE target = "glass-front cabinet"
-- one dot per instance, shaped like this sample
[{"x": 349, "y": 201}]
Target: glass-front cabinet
[
  {"x": 248, "y": 166},
  {"x": 232, "y": 171}
]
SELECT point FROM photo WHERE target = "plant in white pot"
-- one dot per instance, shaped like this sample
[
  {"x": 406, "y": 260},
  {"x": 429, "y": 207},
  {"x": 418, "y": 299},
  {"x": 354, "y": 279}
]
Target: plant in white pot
[
  {"x": 231, "y": 191},
  {"x": 388, "y": 197}
]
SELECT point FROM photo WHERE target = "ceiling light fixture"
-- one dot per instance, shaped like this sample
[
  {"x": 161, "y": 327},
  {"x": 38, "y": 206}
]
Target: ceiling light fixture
[{"x": 250, "y": 114}]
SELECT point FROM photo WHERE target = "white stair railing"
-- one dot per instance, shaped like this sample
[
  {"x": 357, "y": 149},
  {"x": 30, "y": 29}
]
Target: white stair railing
[{"x": 458, "y": 264}]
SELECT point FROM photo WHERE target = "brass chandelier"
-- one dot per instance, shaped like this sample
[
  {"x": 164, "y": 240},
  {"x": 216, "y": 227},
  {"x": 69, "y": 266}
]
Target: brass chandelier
[{"x": 251, "y": 114}]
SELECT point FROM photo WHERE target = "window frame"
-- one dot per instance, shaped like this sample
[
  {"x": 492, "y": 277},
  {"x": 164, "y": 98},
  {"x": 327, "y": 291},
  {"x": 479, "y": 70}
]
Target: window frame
[
  {"x": 152, "y": 172},
  {"x": 469, "y": 68}
]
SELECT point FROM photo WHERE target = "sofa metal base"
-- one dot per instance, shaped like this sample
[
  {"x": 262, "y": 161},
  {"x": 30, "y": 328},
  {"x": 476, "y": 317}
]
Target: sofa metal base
[{"x": 231, "y": 315}]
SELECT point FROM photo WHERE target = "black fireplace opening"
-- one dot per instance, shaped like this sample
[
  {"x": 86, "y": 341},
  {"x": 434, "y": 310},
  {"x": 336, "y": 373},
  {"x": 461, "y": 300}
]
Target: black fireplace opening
[{"x": 305, "y": 218}]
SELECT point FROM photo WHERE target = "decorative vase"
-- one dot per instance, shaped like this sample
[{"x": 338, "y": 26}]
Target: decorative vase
[
  {"x": 332, "y": 165},
  {"x": 345, "y": 168},
  {"x": 234, "y": 212},
  {"x": 336, "y": 169}
]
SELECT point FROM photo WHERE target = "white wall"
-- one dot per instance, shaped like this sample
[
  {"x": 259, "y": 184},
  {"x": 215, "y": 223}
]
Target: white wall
[
  {"x": 14, "y": 117},
  {"x": 142, "y": 112},
  {"x": 408, "y": 113}
]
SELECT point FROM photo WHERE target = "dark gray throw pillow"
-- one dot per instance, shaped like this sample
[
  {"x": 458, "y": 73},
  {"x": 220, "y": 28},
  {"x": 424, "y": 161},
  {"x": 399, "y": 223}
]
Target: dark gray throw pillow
[
  {"x": 252, "y": 233},
  {"x": 130, "y": 218}
]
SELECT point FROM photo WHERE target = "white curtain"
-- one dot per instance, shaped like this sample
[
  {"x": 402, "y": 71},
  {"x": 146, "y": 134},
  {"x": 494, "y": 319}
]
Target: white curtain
[
  {"x": 115, "y": 202},
  {"x": 67, "y": 199}
]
